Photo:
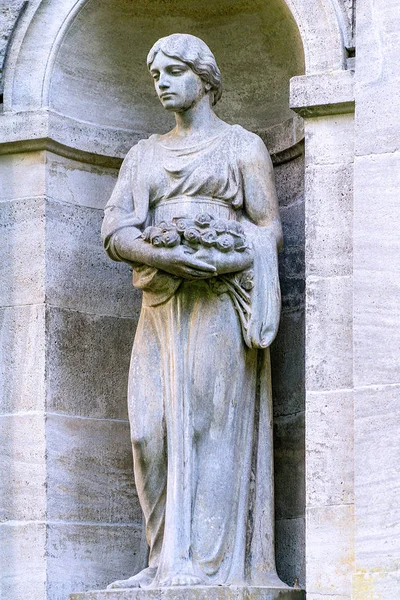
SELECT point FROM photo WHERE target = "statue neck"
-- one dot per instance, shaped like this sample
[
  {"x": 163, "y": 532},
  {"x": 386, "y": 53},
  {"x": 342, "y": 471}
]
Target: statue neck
[{"x": 198, "y": 118}]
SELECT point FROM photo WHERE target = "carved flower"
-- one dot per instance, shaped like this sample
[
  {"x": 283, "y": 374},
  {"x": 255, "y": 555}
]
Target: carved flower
[
  {"x": 192, "y": 235},
  {"x": 240, "y": 243},
  {"x": 156, "y": 237},
  {"x": 209, "y": 238},
  {"x": 219, "y": 226},
  {"x": 167, "y": 226},
  {"x": 203, "y": 220},
  {"x": 235, "y": 228},
  {"x": 171, "y": 238},
  {"x": 225, "y": 242},
  {"x": 182, "y": 224},
  {"x": 246, "y": 279},
  {"x": 218, "y": 286}
]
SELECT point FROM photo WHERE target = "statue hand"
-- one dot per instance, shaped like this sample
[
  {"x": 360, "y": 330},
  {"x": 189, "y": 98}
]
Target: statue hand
[
  {"x": 226, "y": 262},
  {"x": 182, "y": 263}
]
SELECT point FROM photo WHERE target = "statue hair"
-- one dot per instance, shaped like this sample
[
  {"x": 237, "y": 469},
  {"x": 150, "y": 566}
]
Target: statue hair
[{"x": 195, "y": 53}]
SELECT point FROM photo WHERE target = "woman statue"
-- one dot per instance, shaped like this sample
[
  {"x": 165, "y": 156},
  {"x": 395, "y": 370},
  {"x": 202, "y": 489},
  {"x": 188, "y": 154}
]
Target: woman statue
[{"x": 195, "y": 213}]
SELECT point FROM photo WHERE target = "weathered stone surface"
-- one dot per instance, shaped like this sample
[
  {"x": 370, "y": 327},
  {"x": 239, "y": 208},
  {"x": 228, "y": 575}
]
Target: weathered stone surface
[
  {"x": 289, "y": 180},
  {"x": 287, "y": 364},
  {"x": 330, "y": 140},
  {"x": 22, "y": 358},
  {"x": 377, "y": 214},
  {"x": 87, "y": 363},
  {"x": 83, "y": 556},
  {"x": 329, "y": 220},
  {"x": 79, "y": 275},
  {"x": 195, "y": 593},
  {"x": 290, "y": 550},
  {"x": 378, "y": 80},
  {"x": 289, "y": 449},
  {"x": 90, "y": 471},
  {"x": 375, "y": 584},
  {"x": 377, "y": 485},
  {"x": 22, "y": 468},
  {"x": 329, "y": 333},
  {"x": 330, "y": 549},
  {"x": 22, "y": 255},
  {"x": 23, "y": 561},
  {"x": 376, "y": 331},
  {"x": 322, "y": 93},
  {"x": 329, "y": 442},
  {"x": 22, "y": 176},
  {"x": 78, "y": 183}
]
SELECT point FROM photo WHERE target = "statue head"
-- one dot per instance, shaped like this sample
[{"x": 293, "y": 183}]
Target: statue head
[{"x": 195, "y": 54}]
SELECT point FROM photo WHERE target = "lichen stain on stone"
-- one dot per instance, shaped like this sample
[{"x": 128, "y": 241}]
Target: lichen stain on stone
[{"x": 364, "y": 585}]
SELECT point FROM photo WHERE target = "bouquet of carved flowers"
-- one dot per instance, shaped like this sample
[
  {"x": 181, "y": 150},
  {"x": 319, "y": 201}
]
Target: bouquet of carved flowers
[
  {"x": 202, "y": 232},
  {"x": 204, "y": 235}
]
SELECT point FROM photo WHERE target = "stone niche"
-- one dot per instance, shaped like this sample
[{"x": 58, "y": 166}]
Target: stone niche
[{"x": 101, "y": 97}]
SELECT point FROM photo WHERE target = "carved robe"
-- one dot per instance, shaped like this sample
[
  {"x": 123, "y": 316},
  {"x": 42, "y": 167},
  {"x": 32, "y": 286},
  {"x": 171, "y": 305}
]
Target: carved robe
[{"x": 201, "y": 442}]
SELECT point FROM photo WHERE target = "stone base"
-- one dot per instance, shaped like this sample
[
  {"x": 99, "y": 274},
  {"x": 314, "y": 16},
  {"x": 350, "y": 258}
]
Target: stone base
[{"x": 195, "y": 593}]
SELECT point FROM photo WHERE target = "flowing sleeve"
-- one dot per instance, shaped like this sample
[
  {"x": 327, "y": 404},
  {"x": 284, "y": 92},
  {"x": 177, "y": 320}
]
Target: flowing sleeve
[
  {"x": 128, "y": 205},
  {"x": 262, "y": 226}
]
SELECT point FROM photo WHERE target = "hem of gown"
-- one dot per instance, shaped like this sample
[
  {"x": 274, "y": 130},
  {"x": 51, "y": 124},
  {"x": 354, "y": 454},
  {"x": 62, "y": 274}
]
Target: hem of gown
[{"x": 211, "y": 592}]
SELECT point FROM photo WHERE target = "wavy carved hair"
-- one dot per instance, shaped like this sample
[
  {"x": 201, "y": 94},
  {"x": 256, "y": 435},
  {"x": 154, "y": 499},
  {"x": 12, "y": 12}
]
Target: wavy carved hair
[{"x": 195, "y": 53}]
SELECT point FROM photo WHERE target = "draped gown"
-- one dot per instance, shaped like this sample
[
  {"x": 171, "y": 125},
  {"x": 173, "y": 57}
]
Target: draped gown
[{"x": 202, "y": 448}]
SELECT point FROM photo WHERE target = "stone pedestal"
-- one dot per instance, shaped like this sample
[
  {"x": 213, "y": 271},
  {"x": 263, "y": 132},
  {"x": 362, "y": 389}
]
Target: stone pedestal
[{"x": 195, "y": 593}]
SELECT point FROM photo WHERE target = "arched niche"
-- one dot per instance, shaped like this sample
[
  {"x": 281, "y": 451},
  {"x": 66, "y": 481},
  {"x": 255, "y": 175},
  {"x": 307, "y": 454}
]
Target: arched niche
[{"x": 99, "y": 73}]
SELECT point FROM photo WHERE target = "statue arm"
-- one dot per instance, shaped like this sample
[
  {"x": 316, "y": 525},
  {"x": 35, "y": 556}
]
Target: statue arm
[{"x": 261, "y": 202}]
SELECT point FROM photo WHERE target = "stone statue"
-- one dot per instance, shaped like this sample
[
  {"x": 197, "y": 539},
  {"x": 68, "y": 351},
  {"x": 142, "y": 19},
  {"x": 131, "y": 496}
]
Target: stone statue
[{"x": 195, "y": 213}]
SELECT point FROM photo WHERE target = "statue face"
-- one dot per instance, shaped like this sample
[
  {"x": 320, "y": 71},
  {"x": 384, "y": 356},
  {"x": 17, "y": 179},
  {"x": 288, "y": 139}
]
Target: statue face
[{"x": 177, "y": 86}]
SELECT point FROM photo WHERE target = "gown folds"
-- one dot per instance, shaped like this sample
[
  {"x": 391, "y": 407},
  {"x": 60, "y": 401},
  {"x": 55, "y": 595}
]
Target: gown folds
[{"x": 199, "y": 393}]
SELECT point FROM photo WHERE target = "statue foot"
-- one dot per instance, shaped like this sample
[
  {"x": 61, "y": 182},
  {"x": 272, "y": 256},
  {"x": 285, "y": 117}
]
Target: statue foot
[
  {"x": 142, "y": 579},
  {"x": 183, "y": 579}
]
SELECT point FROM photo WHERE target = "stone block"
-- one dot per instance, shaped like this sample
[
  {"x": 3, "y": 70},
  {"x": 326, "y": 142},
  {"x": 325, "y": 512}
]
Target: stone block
[
  {"x": 86, "y": 556},
  {"x": 22, "y": 468},
  {"x": 328, "y": 597},
  {"x": 23, "y": 561},
  {"x": 376, "y": 330},
  {"x": 79, "y": 275},
  {"x": 22, "y": 260},
  {"x": 330, "y": 550},
  {"x": 377, "y": 213},
  {"x": 329, "y": 333},
  {"x": 330, "y": 140},
  {"x": 289, "y": 451},
  {"x": 22, "y": 358},
  {"x": 22, "y": 175},
  {"x": 322, "y": 93},
  {"x": 330, "y": 443},
  {"x": 376, "y": 584},
  {"x": 290, "y": 550},
  {"x": 289, "y": 181},
  {"x": 378, "y": 68},
  {"x": 329, "y": 220},
  {"x": 195, "y": 593},
  {"x": 77, "y": 182},
  {"x": 88, "y": 363},
  {"x": 90, "y": 471},
  {"x": 287, "y": 365},
  {"x": 377, "y": 484}
]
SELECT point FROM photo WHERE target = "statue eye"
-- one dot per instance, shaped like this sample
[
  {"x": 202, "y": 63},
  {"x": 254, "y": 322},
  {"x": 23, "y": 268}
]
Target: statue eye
[
  {"x": 156, "y": 75},
  {"x": 177, "y": 71}
]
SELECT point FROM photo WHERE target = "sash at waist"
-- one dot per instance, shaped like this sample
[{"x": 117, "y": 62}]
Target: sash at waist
[{"x": 190, "y": 206}]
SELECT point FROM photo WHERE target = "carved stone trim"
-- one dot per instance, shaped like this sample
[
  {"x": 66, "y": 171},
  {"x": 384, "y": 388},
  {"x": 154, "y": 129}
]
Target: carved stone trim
[
  {"x": 106, "y": 146},
  {"x": 323, "y": 94}
]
